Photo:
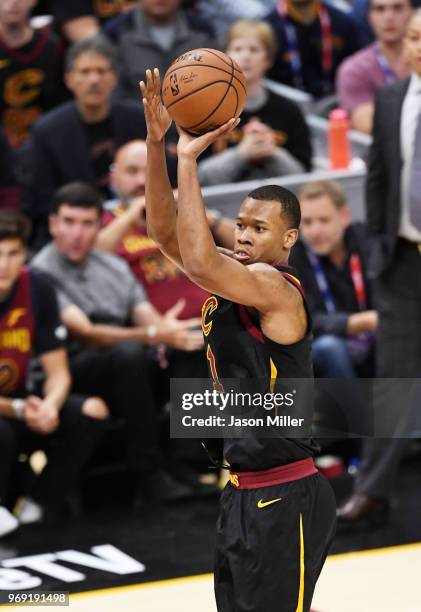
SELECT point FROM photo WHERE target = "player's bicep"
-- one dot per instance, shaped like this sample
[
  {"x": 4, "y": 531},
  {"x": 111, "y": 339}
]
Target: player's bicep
[{"x": 249, "y": 285}]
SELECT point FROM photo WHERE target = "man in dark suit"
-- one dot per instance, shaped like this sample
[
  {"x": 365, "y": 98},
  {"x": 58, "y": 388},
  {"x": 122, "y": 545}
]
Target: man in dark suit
[
  {"x": 394, "y": 221},
  {"x": 77, "y": 140}
]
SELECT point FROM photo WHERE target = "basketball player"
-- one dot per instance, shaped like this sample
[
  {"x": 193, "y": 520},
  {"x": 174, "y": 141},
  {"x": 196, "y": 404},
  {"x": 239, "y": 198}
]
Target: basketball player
[{"x": 277, "y": 513}]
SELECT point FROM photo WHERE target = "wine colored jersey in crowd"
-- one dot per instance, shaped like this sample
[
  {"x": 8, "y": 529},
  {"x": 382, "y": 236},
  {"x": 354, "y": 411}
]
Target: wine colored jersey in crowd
[
  {"x": 30, "y": 82},
  {"x": 25, "y": 330},
  {"x": 163, "y": 282}
]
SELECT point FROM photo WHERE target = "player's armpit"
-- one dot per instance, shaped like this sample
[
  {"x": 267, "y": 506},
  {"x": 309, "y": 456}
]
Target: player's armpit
[{"x": 257, "y": 285}]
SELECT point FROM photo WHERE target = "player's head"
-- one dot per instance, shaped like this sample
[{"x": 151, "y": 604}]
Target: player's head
[
  {"x": 267, "y": 225},
  {"x": 14, "y": 234},
  {"x": 324, "y": 215},
  {"x": 128, "y": 173},
  {"x": 91, "y": 71},
  {"x": 76, "y": 220},
  {"x": 389, "y": 18},
  {"x": 252, "y": 45},
  {"x": 412, "y": 41},
  {"x": 15, "y": 12}
]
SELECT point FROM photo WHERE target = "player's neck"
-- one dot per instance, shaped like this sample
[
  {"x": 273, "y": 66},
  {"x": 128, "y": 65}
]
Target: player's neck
[
  {"x": 16, "y": 35},
  {"x": 305, "y": 13},
  {"x": 93, "y": 114}
]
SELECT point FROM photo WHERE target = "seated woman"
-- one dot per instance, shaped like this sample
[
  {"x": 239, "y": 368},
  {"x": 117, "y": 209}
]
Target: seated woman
[{"x": 272, "y": 138}]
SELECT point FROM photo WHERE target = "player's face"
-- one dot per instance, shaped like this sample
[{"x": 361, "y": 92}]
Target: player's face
[
  {"x": 389, "y": 18},
  {"x": 75, "y": 231},
  {"x": 15, "y": 11},
  {"x": 322, "y": 224},
  {"x": 261, "y": 233},
  {"x": 129, "y": 171},
  {"x": 159, "y": 9},
  {"x": 12, "y": 258},
  {"x": 91, "y": 80},
  {"x": 251, "y": 55},
  {"x": 412, "y": 43}
]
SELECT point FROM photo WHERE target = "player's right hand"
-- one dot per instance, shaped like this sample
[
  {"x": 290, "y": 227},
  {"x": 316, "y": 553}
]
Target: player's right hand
[{"x": 157, "y": 118}]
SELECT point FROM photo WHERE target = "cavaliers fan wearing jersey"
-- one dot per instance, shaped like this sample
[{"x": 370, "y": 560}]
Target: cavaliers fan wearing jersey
[
  {"x": 278, "y": 513},
  {"x": 66, "y": 427}
]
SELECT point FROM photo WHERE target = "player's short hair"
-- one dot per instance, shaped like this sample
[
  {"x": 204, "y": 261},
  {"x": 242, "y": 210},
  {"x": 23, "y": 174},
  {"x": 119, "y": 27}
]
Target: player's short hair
[
  {"x": 261, "y": 29},
  {"x": 14, "y": 225},
  {"x": 290, "y": 206},
  {"x": 332, "y": 189},
  {"x": 94, "y": 44},
  {"x": 79, "y": 195}
]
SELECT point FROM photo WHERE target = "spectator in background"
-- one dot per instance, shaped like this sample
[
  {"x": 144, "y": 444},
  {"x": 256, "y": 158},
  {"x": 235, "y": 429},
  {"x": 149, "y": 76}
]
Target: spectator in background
[
  {"x": 223, "y": 13},
  {"x": 331, "y": 259},
  {"x": 31, "y": 67},
  {"x": 153, "y": 35},
  {"x": 67, "y": 429},
  {"x": 272, "y": 138},
  {"x": 383, "y": 62},
  {"x": 10, "y": 193},
  {"x": 79, "y": 19},
  {"x": 125, "y": 233},
  {"x": 78, "y": 139},
  {"x": 112, "y": 324},
  {"x": 394, "y": 223},
  {"x": 313, "y": 39}
]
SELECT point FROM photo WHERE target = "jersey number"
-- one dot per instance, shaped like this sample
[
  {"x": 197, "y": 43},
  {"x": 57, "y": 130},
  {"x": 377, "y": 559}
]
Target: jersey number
[{"x": 212, "y": 366}]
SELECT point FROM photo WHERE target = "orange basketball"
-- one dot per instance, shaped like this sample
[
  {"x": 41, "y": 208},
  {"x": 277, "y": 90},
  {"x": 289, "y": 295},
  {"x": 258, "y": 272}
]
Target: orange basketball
[{"x": 203, "y": 89}]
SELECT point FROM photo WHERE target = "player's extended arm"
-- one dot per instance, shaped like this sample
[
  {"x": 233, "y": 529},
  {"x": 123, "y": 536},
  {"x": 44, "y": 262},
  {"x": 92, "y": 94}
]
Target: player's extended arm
[
  {"x": 160, "y": 203},
  {"x": 256, "y": 285}
]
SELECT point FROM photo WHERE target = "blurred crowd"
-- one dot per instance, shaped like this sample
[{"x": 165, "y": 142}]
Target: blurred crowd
[{"x": 94, "y": 319}]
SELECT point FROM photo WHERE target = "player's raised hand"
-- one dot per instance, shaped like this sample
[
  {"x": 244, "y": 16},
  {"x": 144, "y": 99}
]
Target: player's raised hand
[
  {"x": 157, "y": 118},
  {"x": 193, "y": 146}
]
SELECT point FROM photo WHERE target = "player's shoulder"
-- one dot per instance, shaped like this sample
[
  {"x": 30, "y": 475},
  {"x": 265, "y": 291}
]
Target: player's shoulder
[{"x": 273, "y": 276}]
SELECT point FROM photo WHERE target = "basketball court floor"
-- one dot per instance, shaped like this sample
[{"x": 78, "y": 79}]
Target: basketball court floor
[{"x": 112, "y": 559}]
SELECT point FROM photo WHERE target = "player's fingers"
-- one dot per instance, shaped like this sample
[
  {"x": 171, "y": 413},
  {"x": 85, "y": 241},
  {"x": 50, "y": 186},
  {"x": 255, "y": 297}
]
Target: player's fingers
[
  {"x": 157, "y": 82},
  {"x": 149, "y": 82},
  {"x": 142, "y": 87}
]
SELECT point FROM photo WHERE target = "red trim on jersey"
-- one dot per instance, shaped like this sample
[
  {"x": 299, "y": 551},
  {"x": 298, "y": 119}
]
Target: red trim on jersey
[
  {"x": 274, "y": 476},
  {"x": 294, "y": 281},
  {"x": 249, "y": 325}
]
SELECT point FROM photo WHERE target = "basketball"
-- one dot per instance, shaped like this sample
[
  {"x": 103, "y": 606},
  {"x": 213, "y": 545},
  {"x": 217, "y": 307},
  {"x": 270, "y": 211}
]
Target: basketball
[{"x": 203, "y": 89}]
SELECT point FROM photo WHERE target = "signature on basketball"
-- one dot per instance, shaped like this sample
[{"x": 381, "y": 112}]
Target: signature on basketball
[
  {"x": 190, "y": 57},
  {"x": 189, "y": 78}
]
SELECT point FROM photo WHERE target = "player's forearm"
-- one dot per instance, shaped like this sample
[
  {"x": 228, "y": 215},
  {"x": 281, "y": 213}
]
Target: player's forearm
[
  {"x": 197, "y": 246},
  {"x": 160, "y": 204}
]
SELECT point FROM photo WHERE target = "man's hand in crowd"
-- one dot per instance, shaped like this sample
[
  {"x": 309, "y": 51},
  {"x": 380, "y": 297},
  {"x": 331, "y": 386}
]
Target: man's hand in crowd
[
  {"x": 359, "y": 322},
  {"x": 42, "y": 416},
  {"x": 258, "y": 142},
  {"x": 180, "y": 334}
]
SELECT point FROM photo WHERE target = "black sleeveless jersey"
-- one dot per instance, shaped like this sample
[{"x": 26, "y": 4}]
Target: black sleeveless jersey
[{"x": 236, "y": 348}]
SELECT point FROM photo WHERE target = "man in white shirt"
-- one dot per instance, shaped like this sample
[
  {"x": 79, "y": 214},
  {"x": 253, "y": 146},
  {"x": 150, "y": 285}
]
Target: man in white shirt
[{"x": 394, "y": 222}]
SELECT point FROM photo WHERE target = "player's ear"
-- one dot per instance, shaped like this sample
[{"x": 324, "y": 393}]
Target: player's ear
[{"x": 290, "y": 238}]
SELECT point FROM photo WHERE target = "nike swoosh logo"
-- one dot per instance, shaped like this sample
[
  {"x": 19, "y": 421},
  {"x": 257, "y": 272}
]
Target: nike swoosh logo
[{"x": 262, "y": 504}]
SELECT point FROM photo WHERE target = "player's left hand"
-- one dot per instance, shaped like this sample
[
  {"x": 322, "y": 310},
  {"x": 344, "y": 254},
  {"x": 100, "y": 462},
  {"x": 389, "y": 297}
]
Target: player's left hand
[{"x": 193, "y": 146}]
